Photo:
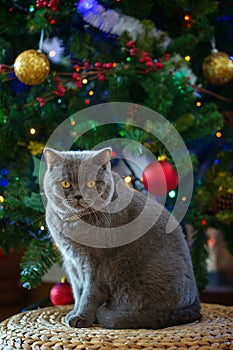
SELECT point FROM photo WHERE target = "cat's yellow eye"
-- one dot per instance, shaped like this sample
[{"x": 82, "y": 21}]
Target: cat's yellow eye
[
  {"x": 90, "y": 184},
  {"x": 66, "y": 184}
]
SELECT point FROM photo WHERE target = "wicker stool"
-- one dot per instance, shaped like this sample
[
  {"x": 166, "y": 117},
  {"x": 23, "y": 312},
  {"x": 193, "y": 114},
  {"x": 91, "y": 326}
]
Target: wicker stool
[{"x": 46, "y": 329}]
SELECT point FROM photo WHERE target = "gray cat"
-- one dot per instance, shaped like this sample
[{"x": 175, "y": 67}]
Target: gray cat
[{"x": 124, "y": 272}]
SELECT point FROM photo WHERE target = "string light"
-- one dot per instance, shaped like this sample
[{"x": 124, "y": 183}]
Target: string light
[
  {"x": 162, "y": 158},
  {"x": 73, "y": 122},
  {"x": 52, "y": 53},
  {"x": 128, "y": 179},
  {"x": 203, "y": 222},
  {"x": 218, "y": 134},
  {"x": 32, "y": 131},
  {"x": 198, "y": 103},
  {"x": 4, "y": 182},
  {"x": 187, "y": 18},
  {"x": 184, "y": 199},
  {"x": 91, "y": 93},
  {"x": 172, "y": 194},
  {"x": 187, "y": 58},
  {"x": 42, "y": 228},
  {"x": 2, "y": 199},
  {"x": 211, "y": 242},
  {"x": 84, "y": 81},
  {"x": 4, "y": 172}
]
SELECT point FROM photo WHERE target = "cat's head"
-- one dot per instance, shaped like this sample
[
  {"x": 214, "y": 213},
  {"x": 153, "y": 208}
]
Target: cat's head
[{"x": 78, "y": 182}]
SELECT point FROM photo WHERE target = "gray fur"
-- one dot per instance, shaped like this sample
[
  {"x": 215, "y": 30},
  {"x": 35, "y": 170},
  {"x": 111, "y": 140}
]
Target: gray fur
[{"x": 148, "y": 283}]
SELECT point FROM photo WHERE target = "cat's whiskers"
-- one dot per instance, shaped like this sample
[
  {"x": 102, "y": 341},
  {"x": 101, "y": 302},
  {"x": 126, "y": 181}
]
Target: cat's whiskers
[{"x": 105, "y": 218}]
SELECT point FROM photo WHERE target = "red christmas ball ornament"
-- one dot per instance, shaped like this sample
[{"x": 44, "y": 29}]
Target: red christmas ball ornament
[
  {"x": 159, "y": 177},
  {"x": 61, "y": 293}
]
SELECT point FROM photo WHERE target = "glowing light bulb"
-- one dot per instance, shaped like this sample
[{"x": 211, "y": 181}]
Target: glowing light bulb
[
  {"x": 162, "y": 157},
  {"x": 187, "y": 17},
  {"x": 198, "y": 103},
  {"x": 42, "y": 228},
  {"x": 84, "y": 81},
  {"x": 172, "y": 194},
  {"x": 211, "y": 242},
  {"x": 187, "y": 58},
  {"x": 184, "y": 199},
  {"x": 2, "y": 199},
  {"x": 128, "y": 179},
  {"x": 204, "y": 222},
  {"x": 91, "y": 93},
  {"x": 32, "y": 131},
  {"x": 73, "y": 122},
  {"x": 218, "y": 134},
  {"x": 52, "y": 53}
]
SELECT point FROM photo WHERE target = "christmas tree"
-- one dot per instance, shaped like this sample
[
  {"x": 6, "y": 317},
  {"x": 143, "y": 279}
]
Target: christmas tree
[{"x": 172, "y": 57}]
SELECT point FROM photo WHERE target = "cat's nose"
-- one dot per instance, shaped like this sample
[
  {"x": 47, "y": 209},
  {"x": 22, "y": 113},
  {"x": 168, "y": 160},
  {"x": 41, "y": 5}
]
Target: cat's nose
[{"x": 78, "y": 197}]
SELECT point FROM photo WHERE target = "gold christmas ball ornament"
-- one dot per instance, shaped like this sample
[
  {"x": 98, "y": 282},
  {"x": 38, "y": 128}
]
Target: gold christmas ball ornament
[
  {"x": 217, "y": 68},
  {"x": 32, "y": 67}
]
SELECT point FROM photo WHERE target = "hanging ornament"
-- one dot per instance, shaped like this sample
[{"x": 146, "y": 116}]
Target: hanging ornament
[
  {"x": 61, "y": 293},
  {"x": 225, "y": 201},
  {"x": 54, "y": 49},
  {"x": 32, "y": 67},
  {"x": 217, "y": 67},
  {"x": 159, "y": 177}
]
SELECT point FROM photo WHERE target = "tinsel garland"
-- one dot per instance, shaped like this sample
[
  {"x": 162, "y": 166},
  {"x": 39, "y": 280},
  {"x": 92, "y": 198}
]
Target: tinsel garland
[{"x": 110, "y": 21}]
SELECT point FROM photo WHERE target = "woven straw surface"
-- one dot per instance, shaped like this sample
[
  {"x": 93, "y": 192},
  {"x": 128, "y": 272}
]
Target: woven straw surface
[{"x": 46, "y": 329}]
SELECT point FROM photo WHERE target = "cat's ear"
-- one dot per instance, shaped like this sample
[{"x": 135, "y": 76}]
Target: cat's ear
[
  {"x": 104, "y": 156},
  {"x": 52, "y": 157}
]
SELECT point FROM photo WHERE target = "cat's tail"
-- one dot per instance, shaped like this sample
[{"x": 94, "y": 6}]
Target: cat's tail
[{"x": 153, "y": 319}]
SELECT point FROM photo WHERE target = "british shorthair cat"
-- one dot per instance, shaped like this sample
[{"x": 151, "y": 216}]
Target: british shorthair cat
[{"x": 146, "y": 282}]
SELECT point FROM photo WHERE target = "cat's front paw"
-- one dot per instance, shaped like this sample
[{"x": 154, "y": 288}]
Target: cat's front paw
[{"x": 78, "y": 321}]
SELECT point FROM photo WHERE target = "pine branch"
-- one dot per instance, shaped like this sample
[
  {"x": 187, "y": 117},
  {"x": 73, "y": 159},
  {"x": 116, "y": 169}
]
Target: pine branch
[
  {"x": 37, "y": 260},
  {"x": 137, "y": 8},
  {"x": 199, "y": 255}
]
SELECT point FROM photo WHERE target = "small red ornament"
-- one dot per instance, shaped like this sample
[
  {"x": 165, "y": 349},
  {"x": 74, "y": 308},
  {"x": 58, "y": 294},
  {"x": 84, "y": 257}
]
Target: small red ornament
[
  {"x": 61, "y": 293},
  {"x": 101, "y": 77},
  {"x": 159, "y": 177}
]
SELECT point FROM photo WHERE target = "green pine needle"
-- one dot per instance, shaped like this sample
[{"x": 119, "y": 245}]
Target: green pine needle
[{"x": 37, "y": 260}]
